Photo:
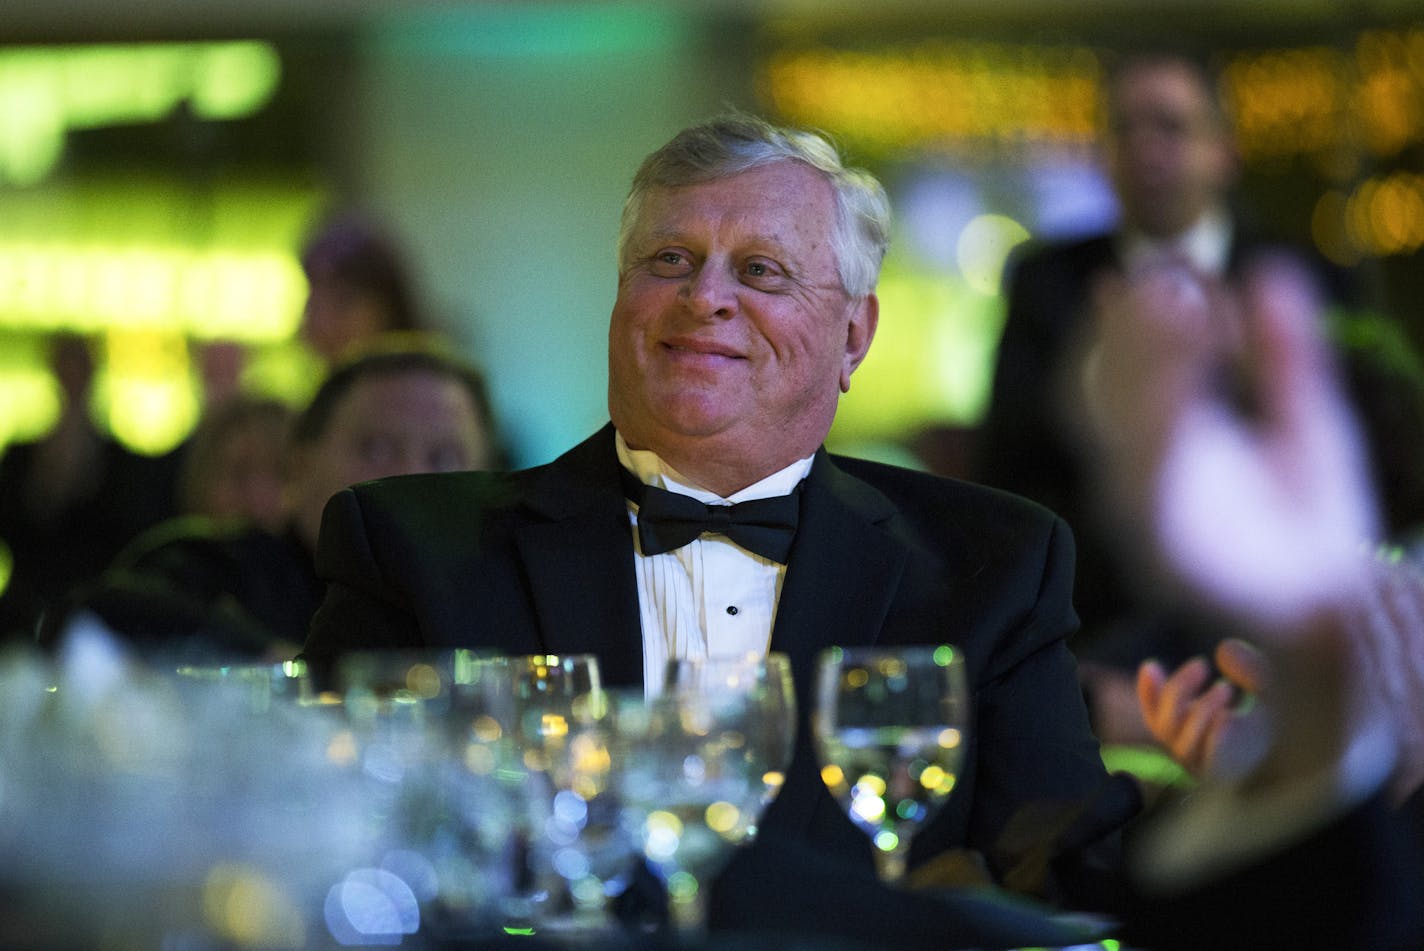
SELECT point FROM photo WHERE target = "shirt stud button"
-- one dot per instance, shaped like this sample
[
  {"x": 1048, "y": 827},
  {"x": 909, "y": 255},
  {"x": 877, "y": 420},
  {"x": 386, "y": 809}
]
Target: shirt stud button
[{"x": 732, "y": 609}]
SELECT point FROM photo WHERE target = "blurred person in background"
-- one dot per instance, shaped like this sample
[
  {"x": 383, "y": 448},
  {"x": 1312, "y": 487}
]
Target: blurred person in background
[
  {"x": 359, "y": 287},
  {"x": 234, "y": 465},
  {"x": 205, "y": 590},
  {"x": 72, "y": 499},
  {"x": 1172, "y": 163}
]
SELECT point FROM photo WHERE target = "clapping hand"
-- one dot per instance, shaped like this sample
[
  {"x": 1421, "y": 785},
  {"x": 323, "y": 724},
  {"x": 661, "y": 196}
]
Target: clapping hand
[
  {"x": 1230, "y": 456},
  {"x": 1227, "y": 443}
]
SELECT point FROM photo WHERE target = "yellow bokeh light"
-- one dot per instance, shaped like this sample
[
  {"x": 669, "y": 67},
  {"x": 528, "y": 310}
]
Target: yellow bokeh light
[
  {"x": 342, "y": 748},
  {"x": 244, "y": 907},
  {"x": 870, "y": 785},
  {"x": 832, "y": 776},
  {"x": 479, "y": 759},
  {"x": 423, "y": 680},
  {"x": 1385, "y": 215},
  {"x": 553, "y": 725},
  {"x": 937, "y": 780},
  {"x": 722, "y": 817},
  {"x": 970, "y": 101},
  {"x": 487, "y": 728},
  {"x": 590, "y": 756},
  {"x": 949, "y": 738},
  {"x": 941, "y": 95}
]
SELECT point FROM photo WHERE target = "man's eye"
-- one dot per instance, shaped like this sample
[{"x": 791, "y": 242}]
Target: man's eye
[
  {"x": 761, "y": 270},
  {"x": 670, "y": 264}
]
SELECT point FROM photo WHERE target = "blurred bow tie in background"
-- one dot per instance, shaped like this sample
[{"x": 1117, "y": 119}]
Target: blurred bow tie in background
[{"x": 668, "y": 520}]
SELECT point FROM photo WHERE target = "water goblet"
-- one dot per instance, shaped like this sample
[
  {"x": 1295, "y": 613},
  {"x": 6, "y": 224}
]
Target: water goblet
[
  {"x": 397, "y": 706},
  {"x": 702, "y": 761},
  {"x": 889, "y": 726},
  {"x": 549, "y": 712}
]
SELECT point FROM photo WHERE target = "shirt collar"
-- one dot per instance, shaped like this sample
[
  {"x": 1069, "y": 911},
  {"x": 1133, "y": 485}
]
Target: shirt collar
[
  {"x": 1206, "y": 244},
  {"x": 650, "y": 469}
]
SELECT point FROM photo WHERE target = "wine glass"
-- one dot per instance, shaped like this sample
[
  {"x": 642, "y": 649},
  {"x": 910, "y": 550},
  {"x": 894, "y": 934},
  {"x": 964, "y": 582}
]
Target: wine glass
[
  {"x": 889, "y": 725},
  {"x": 401, "y": 710},
  {"x": 701, "y": 762},
  {"x": 402, "y": 683},
  {"x": 550, "y": 715}
]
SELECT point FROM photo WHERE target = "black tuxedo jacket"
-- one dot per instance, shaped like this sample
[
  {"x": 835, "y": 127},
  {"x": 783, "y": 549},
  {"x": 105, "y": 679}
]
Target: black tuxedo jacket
[{"x": 542, "y": 561}]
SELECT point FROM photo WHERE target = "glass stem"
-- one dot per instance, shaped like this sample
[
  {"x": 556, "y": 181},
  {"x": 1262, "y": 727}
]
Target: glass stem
[
  {"x": 890, "y": 866},
  {"x": 688, "y": 913}
]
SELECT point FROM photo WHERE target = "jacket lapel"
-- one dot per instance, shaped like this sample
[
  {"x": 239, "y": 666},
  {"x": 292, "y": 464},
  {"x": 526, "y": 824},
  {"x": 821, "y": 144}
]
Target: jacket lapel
[
  {"x": 579, "y": 559},
  {"x": 844, "y": 567},
  {"x": 844, "y": 571}
]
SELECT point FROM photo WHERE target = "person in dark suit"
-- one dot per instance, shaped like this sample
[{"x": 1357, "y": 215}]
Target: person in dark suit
[
  {"x": 223, "y": 590},
  {"x": 1170, "y": 157},
  {"x": 72, "y": 499},
  {"x": 748, "y": 260}
]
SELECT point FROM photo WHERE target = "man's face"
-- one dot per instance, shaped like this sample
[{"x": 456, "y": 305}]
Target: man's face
[
  {"x": 731, "y": 337},
  {"x": 1168, "y": 151},
  {"x": 414, "y": 421}
]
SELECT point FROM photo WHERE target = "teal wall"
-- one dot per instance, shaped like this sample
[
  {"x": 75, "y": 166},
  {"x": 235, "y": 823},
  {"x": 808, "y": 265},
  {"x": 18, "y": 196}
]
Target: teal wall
[{"x": 499, "y": 143}]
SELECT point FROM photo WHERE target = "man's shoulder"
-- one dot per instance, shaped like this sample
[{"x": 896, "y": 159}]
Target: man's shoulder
[
  {"x": 423, "y": 485},
  {"x": 918, "y": 492},
  {"x": 433, "y": 501},
  {"x": 565, "y": 481}
]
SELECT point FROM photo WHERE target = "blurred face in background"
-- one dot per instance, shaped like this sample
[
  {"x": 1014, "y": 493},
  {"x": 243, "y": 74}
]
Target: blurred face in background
[
  {"x": 339, "y": 315},
  {"x": 245, "y": 478},
  {"x": 388, "y": 424},
  {"x": 1169, "y": 151}
]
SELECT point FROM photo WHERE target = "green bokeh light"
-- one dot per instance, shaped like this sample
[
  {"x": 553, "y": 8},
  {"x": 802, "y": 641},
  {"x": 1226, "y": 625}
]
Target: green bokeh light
[{"x": 46, "y": 91}]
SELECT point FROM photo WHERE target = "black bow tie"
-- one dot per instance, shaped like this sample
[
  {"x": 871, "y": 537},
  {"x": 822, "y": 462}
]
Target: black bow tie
[{"x": 668, "y": 520}]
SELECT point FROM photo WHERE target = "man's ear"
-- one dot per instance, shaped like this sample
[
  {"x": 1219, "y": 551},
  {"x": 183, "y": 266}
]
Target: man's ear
[{"x": 864, "y": 318}]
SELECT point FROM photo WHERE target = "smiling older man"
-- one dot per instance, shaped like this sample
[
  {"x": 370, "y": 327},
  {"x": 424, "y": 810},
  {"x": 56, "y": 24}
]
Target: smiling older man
[{"x": 748, "y": 261}]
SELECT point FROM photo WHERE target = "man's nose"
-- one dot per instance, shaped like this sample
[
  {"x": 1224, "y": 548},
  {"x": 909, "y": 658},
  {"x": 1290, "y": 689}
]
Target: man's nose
[{"x": 710, "y": 291}]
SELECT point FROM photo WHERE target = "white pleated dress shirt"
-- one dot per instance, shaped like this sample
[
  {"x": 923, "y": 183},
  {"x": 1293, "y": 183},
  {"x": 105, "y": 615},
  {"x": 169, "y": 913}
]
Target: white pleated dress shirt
[{"x": 711, "y": 597}]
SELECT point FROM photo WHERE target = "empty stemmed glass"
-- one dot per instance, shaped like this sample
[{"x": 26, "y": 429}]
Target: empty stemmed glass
[
  {"x": 890, "y": 727},
  {"x": 701, "y": 762}
]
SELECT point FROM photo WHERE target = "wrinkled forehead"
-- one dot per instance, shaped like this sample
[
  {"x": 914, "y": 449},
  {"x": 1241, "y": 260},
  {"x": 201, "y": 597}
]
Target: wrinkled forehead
[{"x": 766, "y": 198}]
